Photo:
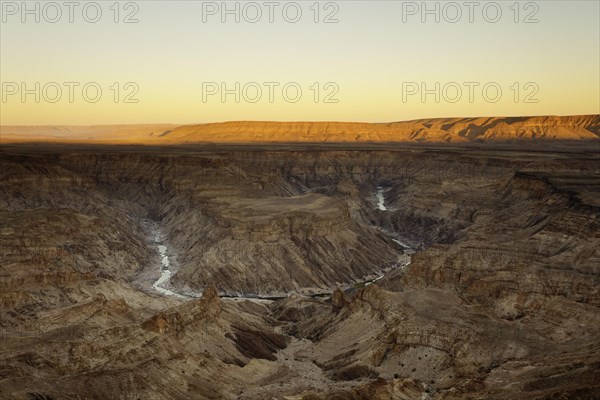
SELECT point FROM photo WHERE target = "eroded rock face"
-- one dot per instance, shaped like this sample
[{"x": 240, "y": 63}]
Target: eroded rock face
[
  {"x": 437, "y": 130},
  {"x": 285, "y": 236},
  {"x": 499, "y": 301}
]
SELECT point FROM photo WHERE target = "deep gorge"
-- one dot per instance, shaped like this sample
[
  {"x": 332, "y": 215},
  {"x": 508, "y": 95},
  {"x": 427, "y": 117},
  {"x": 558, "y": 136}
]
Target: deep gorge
[{"x": 502, "y": 286}]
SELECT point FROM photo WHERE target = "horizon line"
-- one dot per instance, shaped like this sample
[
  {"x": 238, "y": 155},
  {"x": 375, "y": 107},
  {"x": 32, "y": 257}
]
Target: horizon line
[{"x": 306, "y": 121}]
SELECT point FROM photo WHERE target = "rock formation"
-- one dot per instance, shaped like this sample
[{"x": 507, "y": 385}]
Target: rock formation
[{"x": 438, "y": 130}]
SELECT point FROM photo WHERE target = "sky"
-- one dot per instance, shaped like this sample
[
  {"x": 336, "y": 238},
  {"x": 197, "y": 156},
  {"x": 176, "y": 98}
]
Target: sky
[{"x": 129, "y": 62}]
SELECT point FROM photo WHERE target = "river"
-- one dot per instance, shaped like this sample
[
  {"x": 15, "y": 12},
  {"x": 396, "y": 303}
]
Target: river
[
  {"x": 380, "y": 199},
  {"x": 161, "y": 285},
  {"x": 165, "y": 275}
]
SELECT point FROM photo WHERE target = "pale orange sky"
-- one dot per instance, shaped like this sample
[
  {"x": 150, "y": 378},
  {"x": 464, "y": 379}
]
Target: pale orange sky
[{"x": 372, "y": 64}]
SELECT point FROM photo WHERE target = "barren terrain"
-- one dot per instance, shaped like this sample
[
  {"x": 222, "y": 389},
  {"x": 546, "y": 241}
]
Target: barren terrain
[
  {"x": 437, "y": 130},
  {"x": 302, "y": 271}
]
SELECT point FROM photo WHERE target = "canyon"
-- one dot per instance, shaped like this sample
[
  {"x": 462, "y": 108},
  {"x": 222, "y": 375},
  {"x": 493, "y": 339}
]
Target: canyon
[{"x": 436, "y": 269}]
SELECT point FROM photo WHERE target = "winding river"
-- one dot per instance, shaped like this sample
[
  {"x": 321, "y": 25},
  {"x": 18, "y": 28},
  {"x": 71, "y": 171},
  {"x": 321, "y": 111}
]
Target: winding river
[
  {"x": 165, "y": 275},
  {"x": 161, "y": 284}
]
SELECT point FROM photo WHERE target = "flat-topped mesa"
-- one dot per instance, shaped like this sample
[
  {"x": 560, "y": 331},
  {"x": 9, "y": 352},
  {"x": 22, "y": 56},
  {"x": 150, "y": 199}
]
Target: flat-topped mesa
[
  {"x": 443, "y": 130},
  {"x": 278, "y": 244},
  {"x": 430, "y": 130},
  {"x": 303, "y": 216}
]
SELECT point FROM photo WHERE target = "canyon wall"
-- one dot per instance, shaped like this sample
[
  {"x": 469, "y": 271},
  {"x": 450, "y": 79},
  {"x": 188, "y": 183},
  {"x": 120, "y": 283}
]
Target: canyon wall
[{"x": 500, "y": 299}]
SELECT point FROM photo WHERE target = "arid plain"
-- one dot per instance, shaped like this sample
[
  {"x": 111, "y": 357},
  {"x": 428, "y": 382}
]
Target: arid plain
[{"x": 431, "y": 259}]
